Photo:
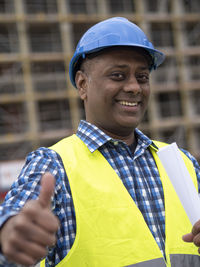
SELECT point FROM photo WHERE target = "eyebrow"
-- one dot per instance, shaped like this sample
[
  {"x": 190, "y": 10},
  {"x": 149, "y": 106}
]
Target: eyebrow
[{"x": 123, "y": 66}]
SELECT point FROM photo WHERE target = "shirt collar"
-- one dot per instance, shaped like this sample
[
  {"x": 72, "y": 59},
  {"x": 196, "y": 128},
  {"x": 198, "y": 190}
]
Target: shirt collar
[
  {"x": 94, "y": 138},
  {"x": 143, "y": 143},
  {"x": 91, "y": 135}
]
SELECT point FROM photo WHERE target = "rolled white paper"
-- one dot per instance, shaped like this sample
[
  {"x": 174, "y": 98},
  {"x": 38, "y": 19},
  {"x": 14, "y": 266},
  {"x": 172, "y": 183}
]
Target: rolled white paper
[{"x": 179, "y": 176}]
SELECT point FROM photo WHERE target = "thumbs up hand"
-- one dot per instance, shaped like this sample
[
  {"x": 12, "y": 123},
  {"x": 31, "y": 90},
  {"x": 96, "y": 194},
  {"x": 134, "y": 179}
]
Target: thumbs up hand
[{"x": 24, "y": 238}]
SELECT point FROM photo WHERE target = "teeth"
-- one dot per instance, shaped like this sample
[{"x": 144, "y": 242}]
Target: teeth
[{"x": 126, "y": 103}]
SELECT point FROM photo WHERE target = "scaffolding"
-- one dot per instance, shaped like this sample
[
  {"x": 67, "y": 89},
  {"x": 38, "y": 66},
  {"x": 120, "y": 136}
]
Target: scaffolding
[{"x": 39, "y": 106}]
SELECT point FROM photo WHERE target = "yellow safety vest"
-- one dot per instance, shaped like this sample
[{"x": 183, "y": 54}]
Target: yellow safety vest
[{"x": 111, "y": 230}]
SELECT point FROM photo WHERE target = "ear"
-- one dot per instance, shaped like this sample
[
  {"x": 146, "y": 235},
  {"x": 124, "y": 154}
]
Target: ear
[{"x": 81, "y": 84}]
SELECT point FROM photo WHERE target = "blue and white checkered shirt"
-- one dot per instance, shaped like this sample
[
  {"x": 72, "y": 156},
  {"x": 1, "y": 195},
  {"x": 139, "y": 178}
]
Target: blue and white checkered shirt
[{"x": 137, "y": 171}]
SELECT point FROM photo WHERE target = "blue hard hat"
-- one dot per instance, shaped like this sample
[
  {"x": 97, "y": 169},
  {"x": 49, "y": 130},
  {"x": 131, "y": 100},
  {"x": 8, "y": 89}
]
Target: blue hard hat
[{"x": 115, "y": 31}]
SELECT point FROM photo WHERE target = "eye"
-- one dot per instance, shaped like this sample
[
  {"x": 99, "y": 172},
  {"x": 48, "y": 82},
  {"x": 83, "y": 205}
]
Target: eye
[
  {"x": 143, "y": 78},
  {"x": 117, "y": 76}
]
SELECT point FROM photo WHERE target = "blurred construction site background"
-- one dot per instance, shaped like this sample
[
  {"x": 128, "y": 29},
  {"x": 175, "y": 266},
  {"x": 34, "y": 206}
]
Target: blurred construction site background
[{"x": 39, "y": 106}]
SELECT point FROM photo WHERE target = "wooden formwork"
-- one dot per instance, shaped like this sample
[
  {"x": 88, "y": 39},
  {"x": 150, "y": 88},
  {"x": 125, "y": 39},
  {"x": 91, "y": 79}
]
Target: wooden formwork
[{"x": 38, "y": 105}]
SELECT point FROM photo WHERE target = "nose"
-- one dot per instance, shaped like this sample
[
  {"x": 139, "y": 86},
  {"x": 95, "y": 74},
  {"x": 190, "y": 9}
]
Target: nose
[{"x": 132, "y": 85}]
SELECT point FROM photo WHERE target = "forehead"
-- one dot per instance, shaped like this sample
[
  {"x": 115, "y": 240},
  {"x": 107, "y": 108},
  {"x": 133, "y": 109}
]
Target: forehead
[{"x": 123, "y": 54}]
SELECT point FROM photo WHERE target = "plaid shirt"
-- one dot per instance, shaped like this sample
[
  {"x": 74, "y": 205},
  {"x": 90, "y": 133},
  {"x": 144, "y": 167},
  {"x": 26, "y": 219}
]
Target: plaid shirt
[{"x": 137, "y": 171}]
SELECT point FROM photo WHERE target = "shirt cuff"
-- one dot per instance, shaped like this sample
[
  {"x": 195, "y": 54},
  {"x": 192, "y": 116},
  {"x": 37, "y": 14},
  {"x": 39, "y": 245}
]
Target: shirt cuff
[{"x": 4, "y": 218}]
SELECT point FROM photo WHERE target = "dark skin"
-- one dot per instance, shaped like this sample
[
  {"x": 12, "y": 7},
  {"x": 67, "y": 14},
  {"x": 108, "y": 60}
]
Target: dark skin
[{"x": 115, "y": 89}]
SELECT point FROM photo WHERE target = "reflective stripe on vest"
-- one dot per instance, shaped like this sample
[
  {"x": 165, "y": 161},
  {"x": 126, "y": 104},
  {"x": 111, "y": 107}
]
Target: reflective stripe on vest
[
  {"x": 177, "y": 260},
  {"x": 151, "y": 263},
  {"x": 111, "y": 231},
  {"x": 184, "y": 260}
]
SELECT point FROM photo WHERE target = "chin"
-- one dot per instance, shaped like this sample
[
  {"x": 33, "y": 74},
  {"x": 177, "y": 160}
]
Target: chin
[{"x": 130, "y": 124}]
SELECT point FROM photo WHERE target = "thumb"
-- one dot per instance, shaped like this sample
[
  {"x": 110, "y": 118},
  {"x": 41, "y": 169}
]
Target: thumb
[
  {"x": 47, "y": 190},
  {"x": 188, "y": 237}
]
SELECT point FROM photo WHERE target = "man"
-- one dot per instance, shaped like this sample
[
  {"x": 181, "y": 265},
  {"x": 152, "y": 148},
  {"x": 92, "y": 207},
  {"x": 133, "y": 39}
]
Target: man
[{"x": 101, "y": 197}]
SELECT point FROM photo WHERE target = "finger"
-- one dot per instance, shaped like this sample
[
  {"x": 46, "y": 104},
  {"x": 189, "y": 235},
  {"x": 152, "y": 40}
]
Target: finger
[
  {"x": 196, "y": 228},
  {"x": 32, "y": 250},
  {"x": 47, "y": 190},
  {"x": 188, "y": 237},
  {"x": 33, "y": 233},
  {"x": 19, "y": 257},
  {"x": 196, "y": 240},
  {"x": 33, "y": 212}
]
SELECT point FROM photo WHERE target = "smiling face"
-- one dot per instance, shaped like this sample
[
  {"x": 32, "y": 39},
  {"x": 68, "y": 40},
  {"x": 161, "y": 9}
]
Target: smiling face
[{"x": 115, "y": 89}]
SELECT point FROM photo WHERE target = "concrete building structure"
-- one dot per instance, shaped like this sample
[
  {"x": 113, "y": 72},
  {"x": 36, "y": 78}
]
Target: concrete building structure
[{"x": 39, "y": 106}]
